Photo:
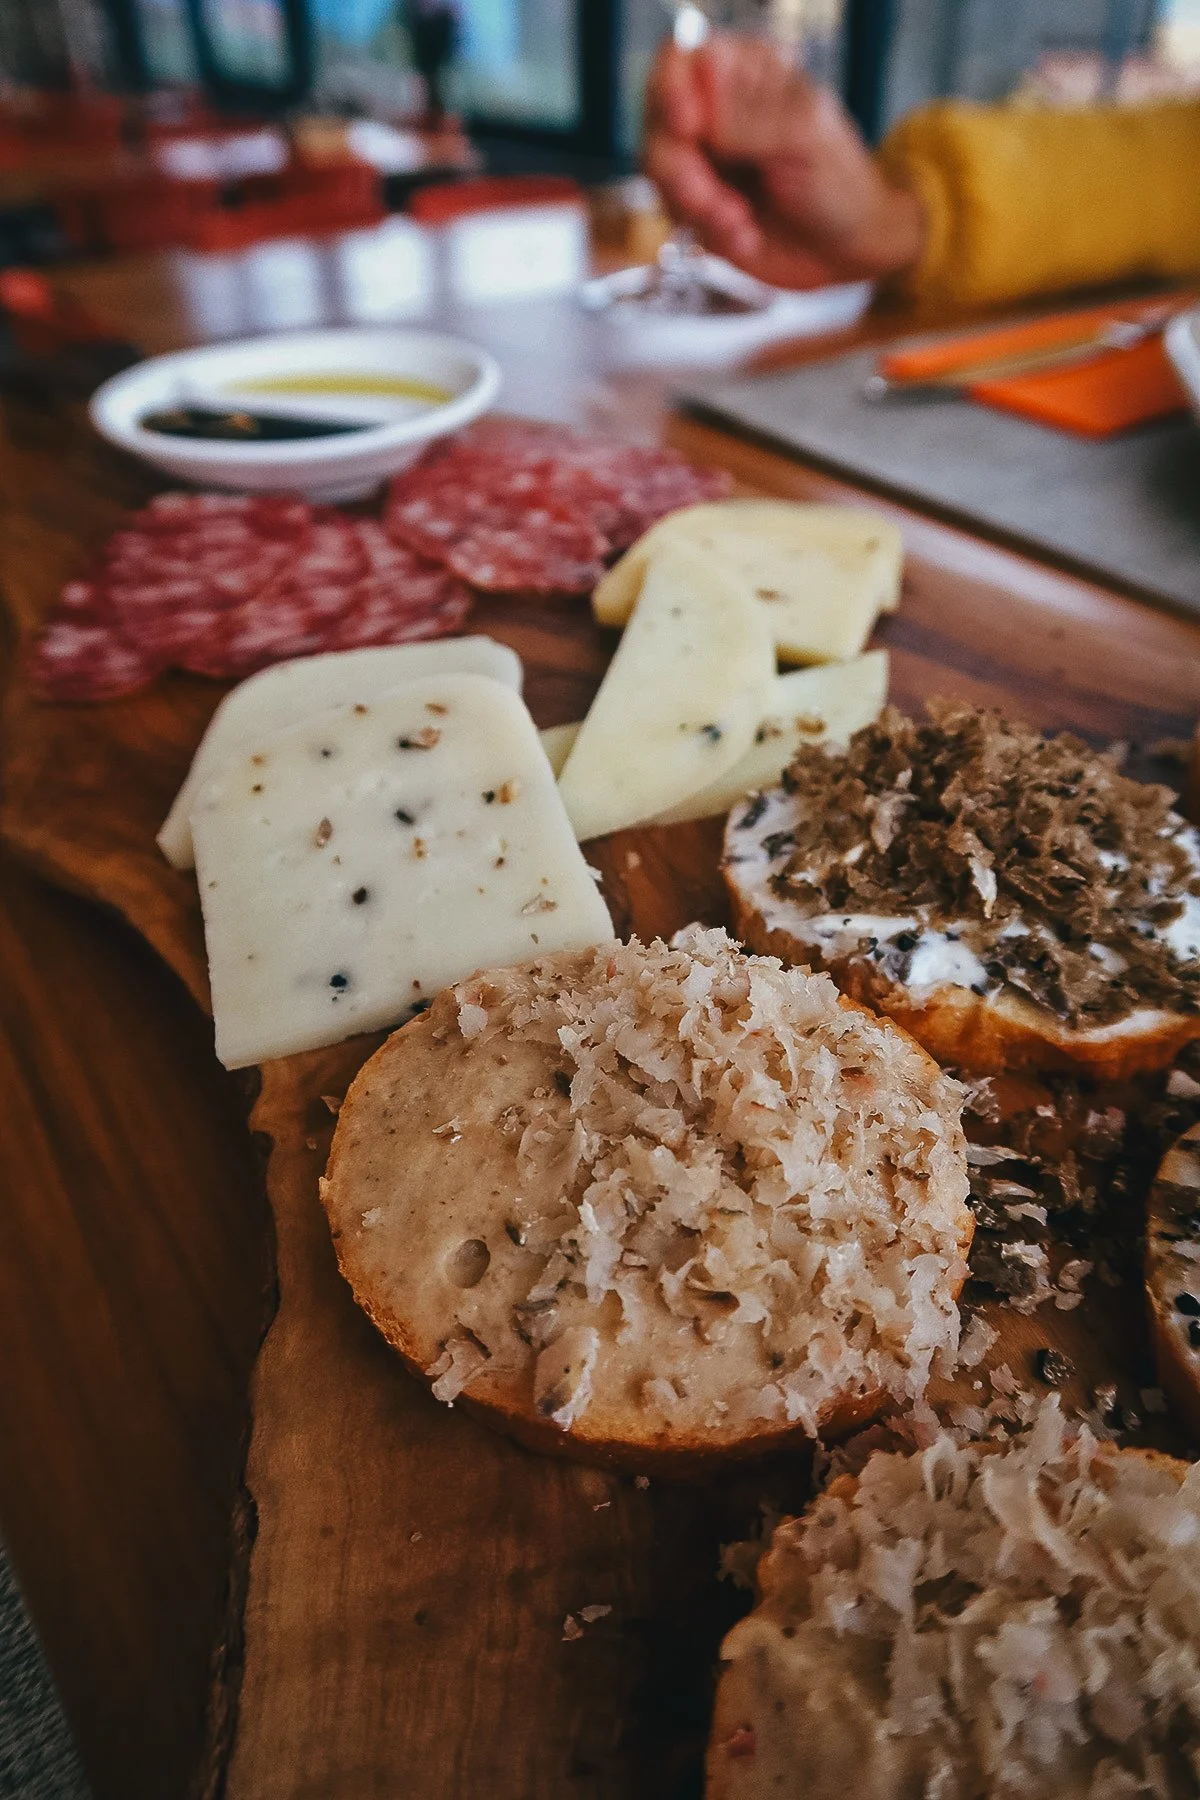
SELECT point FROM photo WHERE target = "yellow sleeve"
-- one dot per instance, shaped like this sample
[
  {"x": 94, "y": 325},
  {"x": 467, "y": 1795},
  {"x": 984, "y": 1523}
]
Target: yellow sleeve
[{"x": 1021, "y": 201}]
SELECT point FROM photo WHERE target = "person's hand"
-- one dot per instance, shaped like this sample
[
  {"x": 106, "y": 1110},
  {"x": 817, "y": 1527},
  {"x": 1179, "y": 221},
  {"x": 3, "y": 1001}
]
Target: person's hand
[{"x": 769, "y": 170}]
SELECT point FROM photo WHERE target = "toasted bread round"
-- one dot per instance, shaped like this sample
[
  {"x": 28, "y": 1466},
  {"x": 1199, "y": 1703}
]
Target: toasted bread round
[
  {"x": 948, "y": 1623},
  {"x": 981, "y": 1034},
  {"x": 948, "y": 1001},
  {"x": 1173, "y": 1276},
  {"x": 655, "y": 1206}
]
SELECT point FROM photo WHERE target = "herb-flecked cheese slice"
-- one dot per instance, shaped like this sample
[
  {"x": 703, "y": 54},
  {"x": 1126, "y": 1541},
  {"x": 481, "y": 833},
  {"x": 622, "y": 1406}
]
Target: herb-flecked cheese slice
[
  {"x": 826, "y": 704},
  {"x": 681, "y": 701},
  {"x": 292, "y": 692},
  {"x": 822, "y": 574},
  {"x": 351, "y": 867}
]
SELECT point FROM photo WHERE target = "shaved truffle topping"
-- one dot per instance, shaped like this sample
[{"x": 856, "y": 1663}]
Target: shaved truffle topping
[
  {"x": 740, "y": 1168},
  {"x": 1058, "y": 876},
  {"x": 1022, "y": 1622}
]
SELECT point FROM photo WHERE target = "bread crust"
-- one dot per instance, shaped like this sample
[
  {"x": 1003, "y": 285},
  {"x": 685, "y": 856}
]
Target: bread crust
[
  {"x": 422, "y": 1080},
  {"x": 1167, "y": 1274},
  {"x": 971, "y": 1032}
]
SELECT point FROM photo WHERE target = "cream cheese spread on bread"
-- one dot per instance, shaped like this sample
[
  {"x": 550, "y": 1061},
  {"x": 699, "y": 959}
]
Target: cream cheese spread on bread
[
  {"x": 920, "y": 956},
  {"x": 1012, "y": 899}
]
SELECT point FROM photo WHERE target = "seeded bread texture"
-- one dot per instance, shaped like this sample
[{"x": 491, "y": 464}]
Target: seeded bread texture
[
  {"x": 1173, "y": 1277},
  {"x": 1013, "y": 1622},
  {"x": 655, "y": 1205}
]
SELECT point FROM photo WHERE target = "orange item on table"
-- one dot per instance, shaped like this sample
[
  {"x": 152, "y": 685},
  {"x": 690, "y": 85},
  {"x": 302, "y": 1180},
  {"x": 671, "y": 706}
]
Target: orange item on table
[{"x": 1110, "y": 392}]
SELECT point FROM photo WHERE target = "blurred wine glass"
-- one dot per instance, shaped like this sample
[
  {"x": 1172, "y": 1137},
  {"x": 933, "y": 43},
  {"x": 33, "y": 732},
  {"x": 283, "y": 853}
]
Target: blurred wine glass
[
  {"x": 806, "y": 33},
  {"x": 677, "y": 280}
]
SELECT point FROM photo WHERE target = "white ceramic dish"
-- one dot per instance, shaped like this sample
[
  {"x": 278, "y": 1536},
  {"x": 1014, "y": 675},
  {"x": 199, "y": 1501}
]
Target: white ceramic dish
[
  {"x": 328, "y": 468},
  {"x": 643, "y": 335},
  {"x": 1182, "y": 342}
]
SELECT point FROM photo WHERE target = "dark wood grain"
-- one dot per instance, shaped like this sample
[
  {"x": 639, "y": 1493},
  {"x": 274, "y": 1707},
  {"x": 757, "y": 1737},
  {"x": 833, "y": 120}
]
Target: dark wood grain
[
  {"x": 133, "y": 1292},
  {"x": 411, "y": 1572},
  {"x": 134, "y": 1278}
]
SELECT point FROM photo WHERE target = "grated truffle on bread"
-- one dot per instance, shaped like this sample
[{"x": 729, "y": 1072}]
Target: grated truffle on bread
[
  {"x": 974, "y": 1623},
  {"x": 1009, "y": 898},
  {"x": 654, "y": 1204}
]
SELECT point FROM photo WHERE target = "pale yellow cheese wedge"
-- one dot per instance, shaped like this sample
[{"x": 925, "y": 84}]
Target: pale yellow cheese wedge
[
  {"x": 557, "y": 741},
  {"x": 682, "y": 699},
  {"x": 823, "y": 574},
  {"x": 825, "y": 704}
]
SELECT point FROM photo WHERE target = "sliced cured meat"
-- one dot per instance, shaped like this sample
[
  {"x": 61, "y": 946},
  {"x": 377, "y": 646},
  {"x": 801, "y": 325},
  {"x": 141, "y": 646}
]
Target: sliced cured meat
[
  {"x": 538, "y": 509},
  {"x": 506, "y": 545},
  {"x": 349, "y": 587},
  {"x": 648, "y": 484},
  {"x": 87, "y": 661},
  {"x": 506, "y": 520},
  {"x": 378, "y": 620},
  {"x": 397, "y": 597},
  {"x": 222, "y": 585}
]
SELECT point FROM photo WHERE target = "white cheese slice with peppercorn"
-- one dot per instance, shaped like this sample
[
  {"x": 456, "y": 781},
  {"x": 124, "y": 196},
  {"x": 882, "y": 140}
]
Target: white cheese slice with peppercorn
[
  {"x": 681, "y": 701},
  {"x": 292, "y": 692},
  {"x": 351, "y": 867},
  {"x": 826, "y": 704},
  {"x": 822, "y": 574}
]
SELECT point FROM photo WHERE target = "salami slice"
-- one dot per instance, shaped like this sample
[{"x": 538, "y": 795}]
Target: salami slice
[
  {"x": 222, "y": 585},
  {"x": 537, "y": 509},
  {"x": 513, "y": 539},
  {"x": 643, "y": 484},
  {"x": 505, "y": 523},
  {"x": 85, "y": 660},
  {"x": 350, "y": 587},
  {"x": 396, "y": 597}
]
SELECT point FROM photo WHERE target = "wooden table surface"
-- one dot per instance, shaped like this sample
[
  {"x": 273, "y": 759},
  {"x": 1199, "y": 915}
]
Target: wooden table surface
[{"x": 135, "y": 1275}]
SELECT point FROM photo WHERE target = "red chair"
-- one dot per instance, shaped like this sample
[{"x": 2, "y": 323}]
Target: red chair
[
  {"x": 135, "y": 212},
  {"x": 73, "y": 124},
  {"x": 307, "y": 199}
]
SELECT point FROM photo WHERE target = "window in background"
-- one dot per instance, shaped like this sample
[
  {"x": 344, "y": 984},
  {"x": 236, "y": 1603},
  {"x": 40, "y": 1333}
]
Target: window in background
[
  {"x": 53, "y": 46},
  {"x": 166, "y": 43},
  {"x": 519, "y": 63},
  {"x": 1178, "y": 35},
  {"x": 1049, "y": 52},
  {"x": 248, "y": 39},
  {"x": 645, "y": 24},
  {"x": 247, "y": 48},
  {"x": 363, "y": 59}
]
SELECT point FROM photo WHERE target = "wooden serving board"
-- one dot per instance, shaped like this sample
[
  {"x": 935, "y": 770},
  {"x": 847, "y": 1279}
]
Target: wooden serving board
[{"x": 410, "y": 1575}]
